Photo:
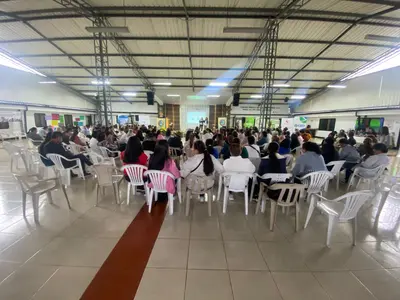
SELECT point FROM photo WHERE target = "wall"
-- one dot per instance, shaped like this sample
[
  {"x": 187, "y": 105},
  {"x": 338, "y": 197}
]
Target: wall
[
  {"x": 136, "y": 108},
  {"x": 253, "y": 110}
]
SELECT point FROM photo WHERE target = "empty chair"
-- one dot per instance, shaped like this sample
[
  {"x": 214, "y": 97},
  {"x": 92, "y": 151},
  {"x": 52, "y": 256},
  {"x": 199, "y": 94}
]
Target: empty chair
[
  {"x": 368, "y": 175},
  {"x": 37, "y": 188},
  {"x": 96, "y": 158},
  {"x": 158, "y": 181},
  {"x": 105, "y": 178},
  {"x": 274, "y": 178},
  {"x": 289, "y": 196},
  {"x": 65, "y": 172},
  {"x": 342, "y": 209},
  {"x": 110, "y": 155},
  {"x": 315, "y": 182},
  {"x": 135, "y": 174},
  {"x": 77, "y": 149},
  {"x": 32, "y": 144},
  {"x": 236, "y": 182},
  {"x": 198, "y": 185},
  {"x": 336, "y": 167},
  {"x": 16, "y": 153}
]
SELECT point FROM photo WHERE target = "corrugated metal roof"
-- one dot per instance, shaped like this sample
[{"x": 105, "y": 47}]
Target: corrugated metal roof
[{"x": 345, "y": 6}]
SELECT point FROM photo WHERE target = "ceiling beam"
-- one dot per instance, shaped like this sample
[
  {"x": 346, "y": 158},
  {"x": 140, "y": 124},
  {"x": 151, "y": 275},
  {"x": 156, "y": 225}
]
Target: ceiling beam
[
  {"x": 188, "y": 41},
  {"x": 195, "y": 39},
  {"x": 69, "y": 55},
  {"x": 379, "y": 2}
]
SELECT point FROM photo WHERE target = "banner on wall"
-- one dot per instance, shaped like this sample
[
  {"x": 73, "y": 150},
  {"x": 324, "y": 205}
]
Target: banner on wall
[
  {"x": 288, "y": 123},
  {"x": 161, "y": 123},
  {"x": 144, "y": 120},
  {"x": 222, "y": 122},
  {"x": 299, "y": 123}
]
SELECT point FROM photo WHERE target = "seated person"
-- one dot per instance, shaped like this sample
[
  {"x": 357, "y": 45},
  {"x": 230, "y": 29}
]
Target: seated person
[
  {"x": 34, "y": 136},
  {"x": 211, "y": 149},
  {"x": 236, "y": 163},
  {"x": 133, "y": 154},
  {"x": 252, "y": 149},
  {"x": 379, "y": 158},
  {"x": 352, "y": 140},
  {"x": 67, "y": 136},
  {"x": 54, "y": 146},
  {"x": 243, "y": 153},
  {"x": 294, "y": 142},
  {"x": 47, "y": 162},
  {"x": 350, "y": 155},
  {"x": 329, "y": 153},
  {"x": 225, "y": 149},
  {"x": 43, "y": 131},
  {"x": 161, "y": 161},
  {"x": 76, "y": 139},
  {"x": 284, "y": 146},
  {"x": 149, "y": 142},
  {"x": 190, "y": 139},
  {"x": 263, "y": 139},
  {"x": 174, "y": 141},
  {"x": 365, "y": 149},
  {"x": 94, "y": 143},
  {"x": 273, "y": 162},
  {"x": 310, "y": 161}
]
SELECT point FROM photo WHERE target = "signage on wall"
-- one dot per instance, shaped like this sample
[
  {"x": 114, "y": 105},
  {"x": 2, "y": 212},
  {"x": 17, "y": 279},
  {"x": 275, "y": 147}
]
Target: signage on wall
[
  {"x": 299, "y": 122},
  {"x": 221, "y": 122}
]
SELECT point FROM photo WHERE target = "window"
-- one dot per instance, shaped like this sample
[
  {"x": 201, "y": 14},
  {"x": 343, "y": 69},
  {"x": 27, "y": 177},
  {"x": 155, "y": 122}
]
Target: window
[
  {"x": 89, "y": 120},
  {"x": 327, "y": 124},
  {"x": 68, "y": 121},
  {"x": 40, "y": 120}
]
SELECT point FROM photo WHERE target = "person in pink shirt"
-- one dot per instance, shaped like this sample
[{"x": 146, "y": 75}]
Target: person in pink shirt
[
  {"x": 161, "y": 161},
  {"x": 160, "y": 137}
]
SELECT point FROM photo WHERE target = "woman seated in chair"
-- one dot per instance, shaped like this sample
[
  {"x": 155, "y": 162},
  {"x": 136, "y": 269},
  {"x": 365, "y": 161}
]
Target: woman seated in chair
[
  {"x": 161, "y": 161},
  {"x": 47, "y": 162},
  {"x": 329, "y": 153},
  {"x": 76, "y": 139},
  {"x": 201, "y": 164},
  {"x": 310, "y": 161},
  {"x": 133, "y": 154},
  {"x": 284, "y": 146}
]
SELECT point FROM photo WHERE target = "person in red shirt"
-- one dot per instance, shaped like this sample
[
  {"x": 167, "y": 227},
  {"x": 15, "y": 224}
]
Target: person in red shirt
[{"x": 133, "y": 154}]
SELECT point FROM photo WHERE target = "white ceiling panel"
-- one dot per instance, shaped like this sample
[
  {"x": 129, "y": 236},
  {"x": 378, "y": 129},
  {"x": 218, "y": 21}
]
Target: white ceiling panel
[
  {"x": 31, "y": 48},
  {"x": 63, "y": 27},
  {"x": 354, "y": 52}
]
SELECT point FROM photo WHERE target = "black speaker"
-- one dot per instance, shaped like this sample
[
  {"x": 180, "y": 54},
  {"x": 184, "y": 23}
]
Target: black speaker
[
  {"x": 150, "y": 98},
  {"x": 137, "y": 118},
  {"x": 236, "y": 98},
  {"x": 286, "y": 99}
]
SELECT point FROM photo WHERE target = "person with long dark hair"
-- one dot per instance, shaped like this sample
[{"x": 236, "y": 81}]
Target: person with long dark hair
[
  {"x": 161, "y": 161},
  {"x": 210, "y": 148},
  {"x": 365, "y": 149},
  {"x": 273, "y": 162},
  {"x": 190, "y": 139},
  {"x": 133, "y": 154},
  {"x": 294, "y": 141},
  {"x": 310, "y": 161},
  {"x": 284, "y": 146},
  {"x": 329, "y": 153},
  {"x": 384, "y": 138},
  {"x": 350, "y": 155}
]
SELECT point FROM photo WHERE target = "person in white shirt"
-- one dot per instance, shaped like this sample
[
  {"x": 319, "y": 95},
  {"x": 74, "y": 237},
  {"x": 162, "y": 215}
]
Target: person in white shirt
[
  {"x": 93, "y": 143},
  {"x": 43, "y": 131},
  {"x": 201, "y": 164},
  {"x": 379, "y": 158},
  {"x": 237, "y": 164},
  {"x": 252, "y": 148},
  {"x": 207, "y": 135}
]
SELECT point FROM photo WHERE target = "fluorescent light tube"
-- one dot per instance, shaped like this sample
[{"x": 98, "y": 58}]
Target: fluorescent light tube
[
  {"x": 173, "y": 95},
  {"x": 298, "y": 97},
  {"x": 8, "y": 61},
  {"x": 129, "y": 94},
  {"x": 218, "y": 83},
  {"x": 245, "y": 29},
  {"x": 112, "y": 29},
  {"x": 100, "y": 82},
  {"x": 90, "y": 94},
  {"x": 281, "y": 85},
  {"x": 256, "y": 96},
  {"x": 162, "y": 83},
  {"x": 47, "y": 82},
  {"x": 213, "y": 96},
  {"x": 336, "y": 86}
]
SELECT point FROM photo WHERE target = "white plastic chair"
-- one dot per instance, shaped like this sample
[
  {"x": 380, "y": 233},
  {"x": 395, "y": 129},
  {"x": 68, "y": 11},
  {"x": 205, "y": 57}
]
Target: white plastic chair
[
  {"x": 298, "y": 151},
  {"x": 37, "y": 188},
  {"x": 315, "y": 182},
  {"x": 135, "y": 174},
  {"x": 289, "y": 161},
  {"x": 105, "y": 178},
  {"x": 341, "y": 209},
  {"x": 369, "y": 175},
  {"x": 15, "y": 153},
  {"x": 32, "y": 144},
  {"x": 336, "y": 167},
  {"x": 65, "y": 172},
  {"x": 242, "y": 177},
  {"x": 105, "y": 152},
  {"x": 292, "y": 198},
  {"x": 77, "y": 149},
  {"x": 198, "y": 185},
  {"x": 275, "y": 178},
  {"x": 97, "y": 158},
  {"x": 159, "y": 183}
]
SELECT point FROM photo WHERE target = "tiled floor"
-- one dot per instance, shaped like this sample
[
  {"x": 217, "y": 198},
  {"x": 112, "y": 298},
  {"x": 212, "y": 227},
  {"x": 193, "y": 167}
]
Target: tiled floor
[{"x": 219, "y": 257}]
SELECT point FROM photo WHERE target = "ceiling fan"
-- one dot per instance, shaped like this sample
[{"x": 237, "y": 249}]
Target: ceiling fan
[{"x": 382, "y": 38}]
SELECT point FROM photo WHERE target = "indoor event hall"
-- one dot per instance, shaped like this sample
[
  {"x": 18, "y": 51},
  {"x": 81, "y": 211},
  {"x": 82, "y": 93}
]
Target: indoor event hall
[{"x": 199, "y": 149}]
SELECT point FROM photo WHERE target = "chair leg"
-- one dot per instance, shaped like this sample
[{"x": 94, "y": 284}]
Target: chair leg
[
  {"x": 310, "y": 211},
  {"x": 210, "y": 195},
  {"x": 171, "y": 204},
  {"x": 133, "y": 190},
  {"x": 219, "y": 188},
  {"x": 272, "y": 218},
  {"x": 260, "y": 194},
  {"x": 116, "y": 192},
  {"x": 337, "y": 180},
  {"x": 49, "y": 197},
  {"x": 156, "y": 196},
  {"x": 358, "y": 183},
  {"x": 150, "y": 199},
  {"x": 246, "y": 202},
  {"x": 225, "y": 204},
  {"x": 179, "y": 190},
  {"x": 128, "y": 193},
  {"x": 97, "y": 191},
  {"x": 297, "y": 215},
  {"x": 351, "y": 182},
  {"x": 188, "y": 196},
  {"x": 331, "y": 224},
  {"x": 35, "y": 204},
  {"x": 252, "y": 188},
  {"x": 24, "y": 203},
  {"x": 354, "y": 230},
  {"x": 66, "y": 196}
]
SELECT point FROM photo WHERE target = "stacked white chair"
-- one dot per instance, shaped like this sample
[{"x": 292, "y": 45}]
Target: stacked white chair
[
  {"x": 316, "y": 182},
  {"x": 135, "y": 174},
  {"x": 274, "y": 178},
  {"x": 242, "y": 177},
  {"x": 289, "y": 196},
  {"x": 336, "y": 168},
  {"x": 158, "y": 180},
  {"x": 65, "y": 172},
  {"x": 371, "y": 176},
  {"x": 37, "y": 188},
  {"x": 106, "y": 177},
  {"x": 342, "y": 209}
]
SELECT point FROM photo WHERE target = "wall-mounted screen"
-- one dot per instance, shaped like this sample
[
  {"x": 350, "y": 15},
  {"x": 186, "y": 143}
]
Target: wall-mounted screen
[{"x": 193, "y": 117}]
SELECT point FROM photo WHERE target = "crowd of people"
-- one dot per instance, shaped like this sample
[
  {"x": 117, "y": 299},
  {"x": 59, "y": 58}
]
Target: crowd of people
[{"x": 215, "y": 151}]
